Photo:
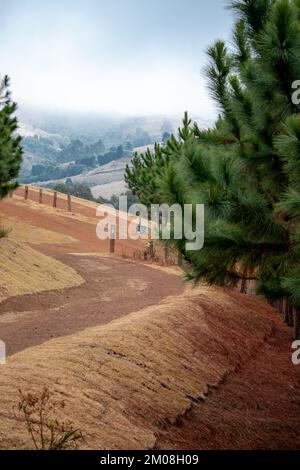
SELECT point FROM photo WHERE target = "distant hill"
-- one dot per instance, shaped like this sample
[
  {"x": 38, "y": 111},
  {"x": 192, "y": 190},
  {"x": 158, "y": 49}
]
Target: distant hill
[
  {"x": 27, "y": 130},
  {"x": 83, "y": 147}
]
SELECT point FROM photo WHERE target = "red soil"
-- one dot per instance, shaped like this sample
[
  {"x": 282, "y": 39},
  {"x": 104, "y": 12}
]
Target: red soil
[
  {"x": 113, "y": 286},
  {"x": 256, "y": 407},
  {"x": 82, "y": 231}
]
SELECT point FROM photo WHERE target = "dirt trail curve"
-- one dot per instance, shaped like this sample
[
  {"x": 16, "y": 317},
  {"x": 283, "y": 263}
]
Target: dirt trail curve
[
  {"x": 112, "y": 286},
  {"x": 208, "y": 370}
]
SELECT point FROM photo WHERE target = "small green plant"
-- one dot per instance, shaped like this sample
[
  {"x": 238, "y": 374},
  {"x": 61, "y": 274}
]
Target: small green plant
[
  {"x": 3, "y": 232},
  {"x": 45, "y": 430}
]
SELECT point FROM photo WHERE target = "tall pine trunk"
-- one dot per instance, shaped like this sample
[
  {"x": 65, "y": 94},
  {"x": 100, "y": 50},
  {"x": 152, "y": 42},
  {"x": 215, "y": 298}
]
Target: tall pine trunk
[
  {"x": 288, "y": 314},
  {"x": 296, "y": 334},
  {"x": 244, "y": 286}
]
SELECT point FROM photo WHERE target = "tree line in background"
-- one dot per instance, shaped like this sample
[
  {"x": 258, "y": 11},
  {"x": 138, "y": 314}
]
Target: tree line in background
[
  {"x": 55, "y": 156},
  {"x": 246, "y": 169},
  {"x": 83, "y": 191},
  {"x": 74, "y": 159}
]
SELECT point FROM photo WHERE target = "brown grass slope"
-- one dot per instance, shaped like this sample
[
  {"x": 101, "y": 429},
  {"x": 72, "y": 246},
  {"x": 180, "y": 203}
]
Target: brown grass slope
[
  {"x": 124, "y": 381},
  {"x": 24, "y": 270}
]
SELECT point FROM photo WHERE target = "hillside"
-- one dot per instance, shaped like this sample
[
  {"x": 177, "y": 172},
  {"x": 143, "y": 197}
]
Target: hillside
[
  {"x": 55, "y": 270},
  {"x": 169, "y": 366},
  {"x": 130, "y": 382},
  {"x": 104, "y": 180},
  {"x": 51, "y": 141},
  {"x": 61, "y": 148}
]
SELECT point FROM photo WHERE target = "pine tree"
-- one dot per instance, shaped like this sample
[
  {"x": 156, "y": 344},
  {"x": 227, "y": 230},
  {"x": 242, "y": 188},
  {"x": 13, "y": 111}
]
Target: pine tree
[
  {"x": 142, "y": 176},
  {"x": 10, "y": 144},
  {"x": 246, "y": 170}
]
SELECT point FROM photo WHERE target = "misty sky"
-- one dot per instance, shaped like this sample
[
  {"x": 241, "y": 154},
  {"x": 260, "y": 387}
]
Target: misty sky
[{"x": 118, "y": 56}]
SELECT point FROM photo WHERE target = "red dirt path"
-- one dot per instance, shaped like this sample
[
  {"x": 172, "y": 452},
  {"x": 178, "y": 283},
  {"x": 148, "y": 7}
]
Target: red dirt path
[
  {"x": 113, "y": 286},
  {"x": 257, "y": 407}
]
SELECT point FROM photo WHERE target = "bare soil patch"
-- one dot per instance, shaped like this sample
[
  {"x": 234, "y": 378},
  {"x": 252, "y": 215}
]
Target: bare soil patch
[
  {"x": 127, "y": 381},
  {"x": 256, "y": 407}
]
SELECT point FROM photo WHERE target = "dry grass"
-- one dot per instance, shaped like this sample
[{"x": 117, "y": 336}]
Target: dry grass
[
  {"x": 122, "y": 382},
  {"x": 47, "y": 210},
  {"x": 22, "y": 232},
  {"x": 24, "y": 270}
]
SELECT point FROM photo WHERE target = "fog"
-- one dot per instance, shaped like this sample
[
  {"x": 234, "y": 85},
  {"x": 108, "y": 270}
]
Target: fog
[{"x": 128, "y": 57}]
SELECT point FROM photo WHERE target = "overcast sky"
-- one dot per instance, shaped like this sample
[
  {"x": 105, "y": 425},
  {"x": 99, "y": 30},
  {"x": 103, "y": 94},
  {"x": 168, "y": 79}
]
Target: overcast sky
[{"x": 123, "y": 56}]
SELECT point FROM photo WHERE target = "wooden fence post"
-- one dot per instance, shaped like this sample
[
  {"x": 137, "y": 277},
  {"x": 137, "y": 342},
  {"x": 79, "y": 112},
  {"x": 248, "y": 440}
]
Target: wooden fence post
[
  {"x": 167, "y": 252},
  {"x": 112, "y": 239},
  {"x": 151, "y": 249},
  {"x": 69, "y": 203},
  {"x": 55, "y": 199},
  {"x": 41, "y": 196},
  {"x": 26, "y": 193},
  {"x": 11, "y": 194},
  {"x": 159, "y": 222}
]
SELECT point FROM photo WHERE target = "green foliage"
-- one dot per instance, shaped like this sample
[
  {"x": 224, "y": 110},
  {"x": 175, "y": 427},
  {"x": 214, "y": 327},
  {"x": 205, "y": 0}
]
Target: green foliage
[
  {"x": 77, "y": 151},
  {"x": 115, "y": 153},
  {"x": 71, "y": 160},
  {"x": 3, "y": 232},
  {"x": 41, "y": 147},
  {"x": 114, "y": 200},
  {"x": 75, "y": 189},
  {"x": 246, "y": 170},
  {"x": 10, "y": 144},
  {"x": 84, "y": 192},
  {"x": 45, "y": 173}
]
